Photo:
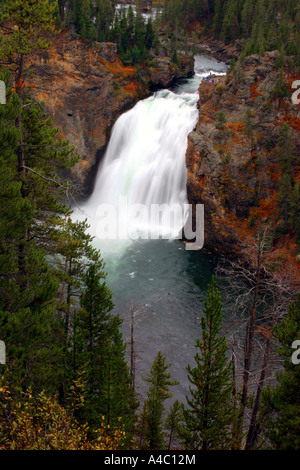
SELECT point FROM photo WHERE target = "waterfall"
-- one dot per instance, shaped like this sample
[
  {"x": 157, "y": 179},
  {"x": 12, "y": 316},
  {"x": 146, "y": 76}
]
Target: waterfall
[
  {"x": 145, "y": 163},
  {"x": 144, "y": 167}
]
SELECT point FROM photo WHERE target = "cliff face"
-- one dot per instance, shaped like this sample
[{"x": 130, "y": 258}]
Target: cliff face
[
  {"x": 231, "y": 157},
  {"x": 86, "y": 87}
]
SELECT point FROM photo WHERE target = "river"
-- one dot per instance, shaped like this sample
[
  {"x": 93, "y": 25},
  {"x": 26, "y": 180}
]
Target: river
[{"x": 145, "y": 164}]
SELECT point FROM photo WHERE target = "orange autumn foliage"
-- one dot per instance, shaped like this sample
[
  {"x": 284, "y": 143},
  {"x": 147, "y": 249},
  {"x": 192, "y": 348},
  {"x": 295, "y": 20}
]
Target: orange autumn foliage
[
  {"x": 130, "y": 88},
  {"x": 253, "y": 91},
  {"x": 40, "y": 423},
  {"x": 22, "y": 86}
]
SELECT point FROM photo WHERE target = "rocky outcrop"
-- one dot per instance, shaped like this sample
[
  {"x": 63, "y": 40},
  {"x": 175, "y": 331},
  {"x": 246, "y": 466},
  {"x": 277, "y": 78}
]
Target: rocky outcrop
[
  {"x": 219, "y": 50},
  {"x": 231, "y": 156},
  {"x": 161, "y": 72},
  {"x": 85, "y": 87}
]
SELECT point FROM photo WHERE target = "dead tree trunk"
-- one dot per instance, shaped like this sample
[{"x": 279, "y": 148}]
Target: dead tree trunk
[
  {"x": 132, "y": 347},
  {"x": 254, "y": 426}
]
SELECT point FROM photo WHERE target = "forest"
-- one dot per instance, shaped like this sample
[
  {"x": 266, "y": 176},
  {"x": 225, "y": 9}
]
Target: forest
[
  {"x": 262, "y": 25},
  {"x": 66, "y": 383}
]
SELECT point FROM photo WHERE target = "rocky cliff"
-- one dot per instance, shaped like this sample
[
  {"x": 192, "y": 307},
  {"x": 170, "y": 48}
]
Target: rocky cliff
[
  {"x": 85, "y": 87},
  {"x": 231, "y": 156}
]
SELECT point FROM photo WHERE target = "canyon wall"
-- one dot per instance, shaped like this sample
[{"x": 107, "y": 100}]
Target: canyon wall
[{"x": 231, "y": 156}]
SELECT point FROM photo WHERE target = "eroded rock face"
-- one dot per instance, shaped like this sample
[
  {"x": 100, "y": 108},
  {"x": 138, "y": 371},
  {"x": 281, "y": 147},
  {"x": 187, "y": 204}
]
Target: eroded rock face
[
  {"x": 161, "y": 73},
  {"x": 86, "y": 87},
  {"x": 232, "y": 166}
]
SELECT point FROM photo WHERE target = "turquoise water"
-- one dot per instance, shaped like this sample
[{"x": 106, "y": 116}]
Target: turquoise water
[{"x": 166, "y": 284}]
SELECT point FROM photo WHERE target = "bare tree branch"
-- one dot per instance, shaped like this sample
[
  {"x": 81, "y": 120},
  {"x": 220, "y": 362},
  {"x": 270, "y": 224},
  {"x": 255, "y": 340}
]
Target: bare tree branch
[{"x": 67, "y": 188}]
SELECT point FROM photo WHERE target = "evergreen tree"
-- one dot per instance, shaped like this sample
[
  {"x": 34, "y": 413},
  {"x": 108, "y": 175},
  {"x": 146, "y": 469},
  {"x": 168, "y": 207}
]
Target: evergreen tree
[
  {"x": 263, "y": 24},
  {"x": 286, "y": 182},
  {"x": 158, "y": 392},
  {"x": 149, "y": 35},
  {"x": 221, "y": 120},
  {"x": 32, "y": 20},
  {"x": 130, "y": 21},
  {"x": 281, "y": 405},
  {"x": 104, "y": 18},
  {"x": 117, "y": 394},
  {"x": 210, "y": 414},
  {"x": 218, "y": 19},
  {"x": 85, "y": 25},
  {"x": 174, "y": 423},
  {"x": 247, "y": 15},
  {"x": 28, "y": 285},
  {"x": 281, "y": 88},
  {"x": 98, "y": 350}
]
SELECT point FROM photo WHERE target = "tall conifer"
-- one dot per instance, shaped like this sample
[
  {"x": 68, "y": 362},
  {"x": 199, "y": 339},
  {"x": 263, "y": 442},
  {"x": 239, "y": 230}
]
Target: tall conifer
[
  {"x": 210, "y": 414},
  {"x": 160, "y": 381}
]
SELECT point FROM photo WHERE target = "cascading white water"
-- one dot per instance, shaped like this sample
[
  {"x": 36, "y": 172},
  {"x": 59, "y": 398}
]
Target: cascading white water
[
  {"x": 144, "y": 166},
  {"x": 145, "y": 162}
]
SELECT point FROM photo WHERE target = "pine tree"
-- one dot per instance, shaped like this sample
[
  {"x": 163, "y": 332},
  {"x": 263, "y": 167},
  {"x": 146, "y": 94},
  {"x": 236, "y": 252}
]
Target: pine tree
[
  {"x": 28, "y": 320},
  {"x": 104, "y": 18},
  {"x": 230, "y": 25},
  {"x": 117, "y": 395},
  {"x": 210, "y": 415},
  {"x": 221, "y": 120},
  {"x": 158, "y": 392},
  {"x": 131, "y": 21},
  {"x": 98, "y": 351},
  {"x": 32, "y": 20},
  {"x": 286, "y": 182},
  {"x": 247, "y": 15},
  {"x": 279, "y": 415},
  {"x": 149, "y": 35},
  {"x": 85, "y": 20},
  {"x": 218, "y": 19},
  {"x": 174, "y": 423}
]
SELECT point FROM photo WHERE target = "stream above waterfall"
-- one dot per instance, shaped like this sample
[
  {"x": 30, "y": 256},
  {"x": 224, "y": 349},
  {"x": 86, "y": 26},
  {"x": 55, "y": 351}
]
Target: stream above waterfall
[{"x": 164, "y": 282}]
